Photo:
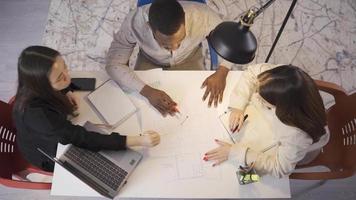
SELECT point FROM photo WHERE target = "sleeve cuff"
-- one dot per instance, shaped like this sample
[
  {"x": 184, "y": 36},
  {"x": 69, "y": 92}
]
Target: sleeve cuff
[
  {"x": 121, "y": 140},
  {"x": 67, "y": 89},
  {"x": 238, "y": 102},
  {"x": 225, "y": 63},
  {"x": 139, "y": 85},
  {"x": 238, "y": 154}
]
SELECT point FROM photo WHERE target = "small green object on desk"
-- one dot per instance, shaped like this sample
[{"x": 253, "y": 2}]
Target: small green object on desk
[{"x": 247, "y": 176}]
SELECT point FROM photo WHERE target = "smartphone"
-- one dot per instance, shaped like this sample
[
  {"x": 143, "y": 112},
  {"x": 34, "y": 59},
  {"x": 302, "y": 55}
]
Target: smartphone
[{"x": 83, "y": 84}]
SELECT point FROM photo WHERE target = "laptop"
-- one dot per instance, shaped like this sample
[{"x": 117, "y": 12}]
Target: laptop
[{"x": 104, "y": 171}]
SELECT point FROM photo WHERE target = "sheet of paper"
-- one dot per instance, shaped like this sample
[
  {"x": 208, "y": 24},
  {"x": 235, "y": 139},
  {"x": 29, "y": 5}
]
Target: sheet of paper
[{"x": 183, "y": 145}]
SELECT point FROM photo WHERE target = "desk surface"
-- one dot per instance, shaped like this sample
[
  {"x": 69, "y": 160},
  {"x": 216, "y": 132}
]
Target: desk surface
[{"x": 174, "y": 168}]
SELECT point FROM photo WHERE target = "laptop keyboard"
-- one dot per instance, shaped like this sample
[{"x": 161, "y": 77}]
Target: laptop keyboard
[{"x": 97, "y": 165}]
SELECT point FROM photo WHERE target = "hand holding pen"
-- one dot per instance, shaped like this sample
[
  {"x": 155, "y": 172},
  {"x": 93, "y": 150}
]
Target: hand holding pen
[
  {"x": 236, "y": 119},
  {"x": 180, "y": 116}
]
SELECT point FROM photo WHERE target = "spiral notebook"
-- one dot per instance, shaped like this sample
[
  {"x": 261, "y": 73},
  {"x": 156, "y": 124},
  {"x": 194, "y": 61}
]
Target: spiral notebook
[{"x": 111, "y": 103}]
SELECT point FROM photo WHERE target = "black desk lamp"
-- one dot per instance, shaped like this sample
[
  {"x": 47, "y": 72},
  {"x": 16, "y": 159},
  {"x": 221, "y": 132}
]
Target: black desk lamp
[{"x": 236, "y": 43}]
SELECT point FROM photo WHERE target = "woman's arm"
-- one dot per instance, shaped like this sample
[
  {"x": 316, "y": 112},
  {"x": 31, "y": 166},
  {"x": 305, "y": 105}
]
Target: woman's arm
[
  {"x": 53, "y": 125},
  {"x": 247, "y": 85},
  {"x": 291, "y": 148}
]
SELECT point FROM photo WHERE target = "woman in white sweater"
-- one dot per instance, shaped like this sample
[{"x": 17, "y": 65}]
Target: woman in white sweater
[{"x": 285, "y": 111}]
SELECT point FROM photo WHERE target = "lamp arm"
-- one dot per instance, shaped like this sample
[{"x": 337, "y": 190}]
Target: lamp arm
[
  {"x": 248, "y": 18},
  {"x": 281, "y": 29},
  {"x": 264, "y": 7}
]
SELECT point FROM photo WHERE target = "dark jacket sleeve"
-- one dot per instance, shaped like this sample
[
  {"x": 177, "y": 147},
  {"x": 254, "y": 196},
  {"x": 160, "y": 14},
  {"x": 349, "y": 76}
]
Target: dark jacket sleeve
[
  {"x": 54, "y": 126},
  {"x": 67, "y": 89}
]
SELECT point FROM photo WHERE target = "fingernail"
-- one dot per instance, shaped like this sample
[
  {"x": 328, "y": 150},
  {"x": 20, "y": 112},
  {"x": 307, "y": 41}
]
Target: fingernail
[
  {"x": 205, "y": 154},
  {"x": 214, "y": 165},
  {"x": 216, "y": 140}
]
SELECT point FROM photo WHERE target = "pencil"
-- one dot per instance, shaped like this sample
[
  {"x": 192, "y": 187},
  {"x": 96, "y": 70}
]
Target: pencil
[{"x": 245, "y": 117}]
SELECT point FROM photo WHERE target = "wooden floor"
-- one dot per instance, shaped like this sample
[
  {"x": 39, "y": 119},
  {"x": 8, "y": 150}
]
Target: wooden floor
[{"x": 22, "y": 23}]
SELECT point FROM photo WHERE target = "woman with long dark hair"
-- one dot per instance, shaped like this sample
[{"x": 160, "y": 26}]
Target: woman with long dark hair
[
  {"x": 285, "y": 112},
  {"x": 42, "y": 107}
]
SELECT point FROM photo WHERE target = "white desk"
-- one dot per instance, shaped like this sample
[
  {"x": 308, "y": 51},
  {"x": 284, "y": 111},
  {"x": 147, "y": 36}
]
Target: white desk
[{"x": 175, "y": 169}]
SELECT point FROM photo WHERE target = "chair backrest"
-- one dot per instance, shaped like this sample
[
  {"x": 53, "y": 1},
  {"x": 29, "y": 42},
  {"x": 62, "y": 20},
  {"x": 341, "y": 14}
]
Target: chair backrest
[
  {"x": 341, "y": 120},
  {"x": 12, "y": 162},
  {"x": 10, "y": 158},
  {"x": 339, "y": 154}
]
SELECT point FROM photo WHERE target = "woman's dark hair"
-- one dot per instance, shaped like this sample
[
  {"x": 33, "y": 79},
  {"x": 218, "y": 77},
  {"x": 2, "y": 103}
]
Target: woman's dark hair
[
  {"x": 296, "y": 97},
  {"x": 166, "y": 16},
  {"x": 34, "y": 66}
]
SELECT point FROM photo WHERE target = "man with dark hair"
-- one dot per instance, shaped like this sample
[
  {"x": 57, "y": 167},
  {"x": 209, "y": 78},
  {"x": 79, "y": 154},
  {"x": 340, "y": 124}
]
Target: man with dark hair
[
  {"x": 169, "y": 35},
  {"x": 166, "y": 18}
]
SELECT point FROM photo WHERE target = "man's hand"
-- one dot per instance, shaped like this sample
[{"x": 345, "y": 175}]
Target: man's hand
[
  {"x": 215, "y": 86},
  {"x": 160, "y": 100}
]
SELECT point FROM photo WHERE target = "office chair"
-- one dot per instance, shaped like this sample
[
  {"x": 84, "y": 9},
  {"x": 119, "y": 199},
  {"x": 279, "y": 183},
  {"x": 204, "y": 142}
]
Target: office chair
[
  {"x": 12, "y": 163},
  {"x": 339, "y": 153},
  {"x": 213, "y": 54}
]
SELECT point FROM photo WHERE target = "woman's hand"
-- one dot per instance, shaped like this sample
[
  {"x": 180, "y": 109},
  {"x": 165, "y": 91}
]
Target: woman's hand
[
  {"x": 73, "y": 99},
  {"x": 149, "y": 139},
  {"x": 236, "y": 119},
  {"x": 219, "y": 154}
]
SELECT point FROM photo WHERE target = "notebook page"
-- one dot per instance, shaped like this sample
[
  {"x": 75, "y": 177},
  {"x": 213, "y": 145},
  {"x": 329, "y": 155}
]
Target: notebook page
[{"x": 111, "y": 103}]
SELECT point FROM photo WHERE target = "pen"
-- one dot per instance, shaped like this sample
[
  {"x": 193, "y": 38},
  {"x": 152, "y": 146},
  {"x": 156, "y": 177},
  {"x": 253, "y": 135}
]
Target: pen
[
  {"x": 245, "y": 117},
  {"x": 176, "y": 109},
  {"x": 177, "y": 113}
]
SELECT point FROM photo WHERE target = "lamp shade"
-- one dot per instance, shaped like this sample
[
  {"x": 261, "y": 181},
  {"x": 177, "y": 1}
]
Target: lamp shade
[{"x": 234, "y": 42}]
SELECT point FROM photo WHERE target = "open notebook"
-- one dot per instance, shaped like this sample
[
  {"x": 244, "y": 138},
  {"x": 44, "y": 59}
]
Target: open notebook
[{"x": 111, "y": 104}]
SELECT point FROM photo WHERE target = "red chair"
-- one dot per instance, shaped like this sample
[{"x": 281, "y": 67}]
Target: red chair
[
  {"x": 339, "y": 154},
  {"x": 12, "y": 163},
  {"x": 12, "y": 101}
]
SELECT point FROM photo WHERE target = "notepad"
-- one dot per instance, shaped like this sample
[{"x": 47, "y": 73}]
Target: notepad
[
  {"x": 111, "y": 103},
  {"x": 224, "y": 120}
]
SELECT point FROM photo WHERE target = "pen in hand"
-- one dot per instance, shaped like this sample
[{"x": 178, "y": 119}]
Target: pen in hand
[
  {"x": 245, "y": 117},
  {"x": 177, "y": 113}
]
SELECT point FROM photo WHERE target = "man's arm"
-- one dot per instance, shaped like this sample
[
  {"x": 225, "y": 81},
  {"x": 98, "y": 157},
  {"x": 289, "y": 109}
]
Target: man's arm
[
  {"x": 215, "y": 83},
  {"x": 118, "y": 57},
  {"x": 117, "y": 68}
]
